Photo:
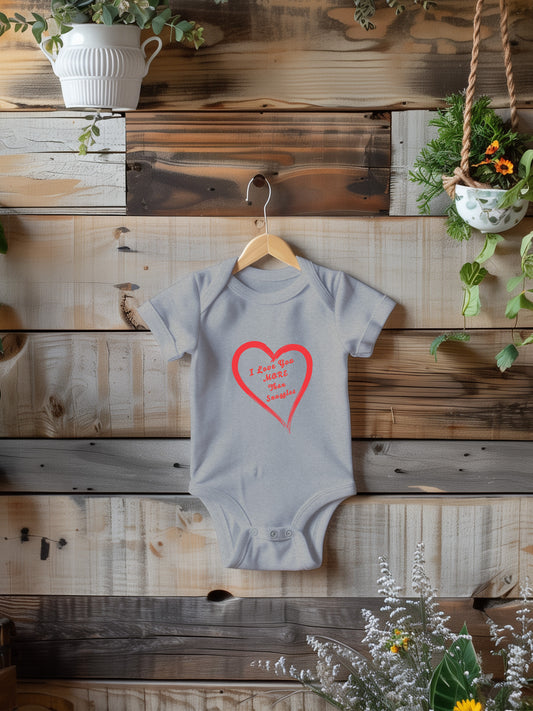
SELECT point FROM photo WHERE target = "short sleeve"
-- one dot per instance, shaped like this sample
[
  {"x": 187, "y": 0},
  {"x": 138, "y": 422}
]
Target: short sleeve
[
  {"x": 173, "y": 316},
  {"x": 360, "y": 313}
]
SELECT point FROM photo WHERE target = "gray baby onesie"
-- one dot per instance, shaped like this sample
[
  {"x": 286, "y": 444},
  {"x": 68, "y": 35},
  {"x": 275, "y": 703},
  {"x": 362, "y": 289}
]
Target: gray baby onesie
[{"x": 270, "y": 420}]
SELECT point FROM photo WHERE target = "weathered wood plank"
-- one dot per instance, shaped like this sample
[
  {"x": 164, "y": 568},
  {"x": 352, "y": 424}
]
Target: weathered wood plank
[
  {"x": 166, "y": 545},
  {"x": 159, "y": 696},
  {"x": 60, "y": 180},
  {"x": 25, "y": 133},
  {"x": 40, "y": 166},
  {"x": 117, "y": 384},
  {"x": 198, "y": 638},
  {"x": 197, "y": 164},
  {"x": 91, "y": 272},
  {"x": 312, "y": 55},
  {"x": 410, "y": 133},
  {"x": 161, "y": 466}
]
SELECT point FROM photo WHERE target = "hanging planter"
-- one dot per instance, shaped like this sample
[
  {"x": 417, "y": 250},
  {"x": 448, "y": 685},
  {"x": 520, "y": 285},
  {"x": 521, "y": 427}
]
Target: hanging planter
[
  {"x": 479, "y": 204},
  {"x": 485, "y": 166},
  {"x": 480, "y": 208},
  {"x": 102, "y": 65}
]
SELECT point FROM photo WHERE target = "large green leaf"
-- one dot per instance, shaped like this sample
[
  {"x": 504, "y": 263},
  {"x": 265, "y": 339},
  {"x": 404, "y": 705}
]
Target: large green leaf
[{"x": 454, "y": 678}]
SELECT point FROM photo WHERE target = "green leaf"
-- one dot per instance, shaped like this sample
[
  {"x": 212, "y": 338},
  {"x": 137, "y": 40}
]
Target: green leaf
[
  {"x": 454, "y": 678},
  {"x": 514, "y": 282},
  {"x": 3, "y": 240},
  {"x": 491, "y": 242},
  {"x": 472, "y": 273},
  {"x": 516, "y": 303},
  {"x": 527, "y": 266},
  {"x": 513, "y": 306},
  {"x": 526, "y": 162},
  {"x": 37, "y": 30},
  {"x": 526, "y": 242},
  {"x": 506, "y": 357},
  {"x": 109, "y": 13},
  {"x": 471, "y": 301},
  {"x": 513, "y": 194},
  {"x": 527, "y": 341},
  {"x": 159, "y": 21},
  {"x": 439, "y": 340}
]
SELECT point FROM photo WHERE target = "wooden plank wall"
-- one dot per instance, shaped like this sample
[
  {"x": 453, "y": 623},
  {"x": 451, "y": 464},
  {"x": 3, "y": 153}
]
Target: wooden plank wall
[{"x": 108, "y": 567}]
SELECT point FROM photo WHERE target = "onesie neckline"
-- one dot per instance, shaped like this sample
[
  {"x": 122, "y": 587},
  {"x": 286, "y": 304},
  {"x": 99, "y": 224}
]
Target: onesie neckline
[{"x": 258, "y": 278}]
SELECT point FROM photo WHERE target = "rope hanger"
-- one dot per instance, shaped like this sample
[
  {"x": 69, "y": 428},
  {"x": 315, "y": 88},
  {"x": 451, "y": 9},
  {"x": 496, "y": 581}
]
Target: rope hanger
[{"x": 462, "y": 173}]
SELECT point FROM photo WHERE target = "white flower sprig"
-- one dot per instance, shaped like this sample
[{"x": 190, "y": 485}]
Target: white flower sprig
[{"x": 409, "y": 665}]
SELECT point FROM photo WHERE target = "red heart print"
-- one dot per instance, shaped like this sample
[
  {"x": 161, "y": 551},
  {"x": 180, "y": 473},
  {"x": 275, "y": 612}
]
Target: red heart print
[{"x": 273, "y": 357}]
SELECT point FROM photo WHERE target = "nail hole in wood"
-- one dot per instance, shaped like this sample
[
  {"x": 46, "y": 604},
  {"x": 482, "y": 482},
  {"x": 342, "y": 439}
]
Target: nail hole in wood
[{"x": 219, "y": 595}]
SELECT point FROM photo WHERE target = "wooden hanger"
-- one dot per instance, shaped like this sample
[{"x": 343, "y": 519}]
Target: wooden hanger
[{"x": 266, "y": 243}]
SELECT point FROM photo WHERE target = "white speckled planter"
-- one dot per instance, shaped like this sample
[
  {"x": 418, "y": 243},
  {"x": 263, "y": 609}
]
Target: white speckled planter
[
  {"x": 102, "y": 66},
  {"x": 478, "y": 207}
]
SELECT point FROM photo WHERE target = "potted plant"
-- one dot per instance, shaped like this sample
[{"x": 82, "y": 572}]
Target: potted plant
[
  {"x": 500, "y": 165},
  {"x": 501, "y": 176},
  {"x": 94, "y": 46}
]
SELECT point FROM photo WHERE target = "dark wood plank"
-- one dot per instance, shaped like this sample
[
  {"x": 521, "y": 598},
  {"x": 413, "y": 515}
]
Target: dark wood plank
[
  {"x": 277, "y": 56},
  {"x": 161, "y": 466},
  {"x": 320, "y": 164},
  {"x": 8, "y": 689},
  {"x": 199, "y": 638}
]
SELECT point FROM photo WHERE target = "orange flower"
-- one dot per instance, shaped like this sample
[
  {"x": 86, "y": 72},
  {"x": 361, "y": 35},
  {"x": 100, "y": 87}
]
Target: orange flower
[
  {"x": 503, "y": 166},
  {"x": 483, "y": 162},
  {"x": 494, "y": 146}
]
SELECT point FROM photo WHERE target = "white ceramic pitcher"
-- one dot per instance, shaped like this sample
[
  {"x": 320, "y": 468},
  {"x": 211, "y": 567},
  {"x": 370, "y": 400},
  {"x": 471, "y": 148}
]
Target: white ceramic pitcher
[{"x": 102, "y": 66}]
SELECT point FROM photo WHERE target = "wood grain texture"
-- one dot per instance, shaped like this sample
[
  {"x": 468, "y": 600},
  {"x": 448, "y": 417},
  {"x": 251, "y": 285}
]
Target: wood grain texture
[
  {"x": 313, "y": 55},
  {"x": 161, "y": 696},
  {"x": 166, "y": 545},
  {"x": 198, "y": 638},
  {"x": 25, "y": 133},
  {"x": 40, "y": 167},
  {"x": 197, "y": 164},
  {"x": 118, "y": 385},
  {"x": 91, "y": 273},
  {"x": 162, "y": 466}
]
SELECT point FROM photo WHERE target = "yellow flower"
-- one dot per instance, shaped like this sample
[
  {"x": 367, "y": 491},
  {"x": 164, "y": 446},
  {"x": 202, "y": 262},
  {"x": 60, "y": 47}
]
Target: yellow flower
[
  {"x": 503, "y": 166},
  {"x": 395, "y": 649},
  {"x": 468, "y": 705},
  {"x": 494, "y": 146}
]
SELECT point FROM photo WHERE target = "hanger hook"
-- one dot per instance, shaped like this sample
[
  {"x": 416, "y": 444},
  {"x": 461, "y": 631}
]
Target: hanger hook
[{"x": 253, "y": 180}]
